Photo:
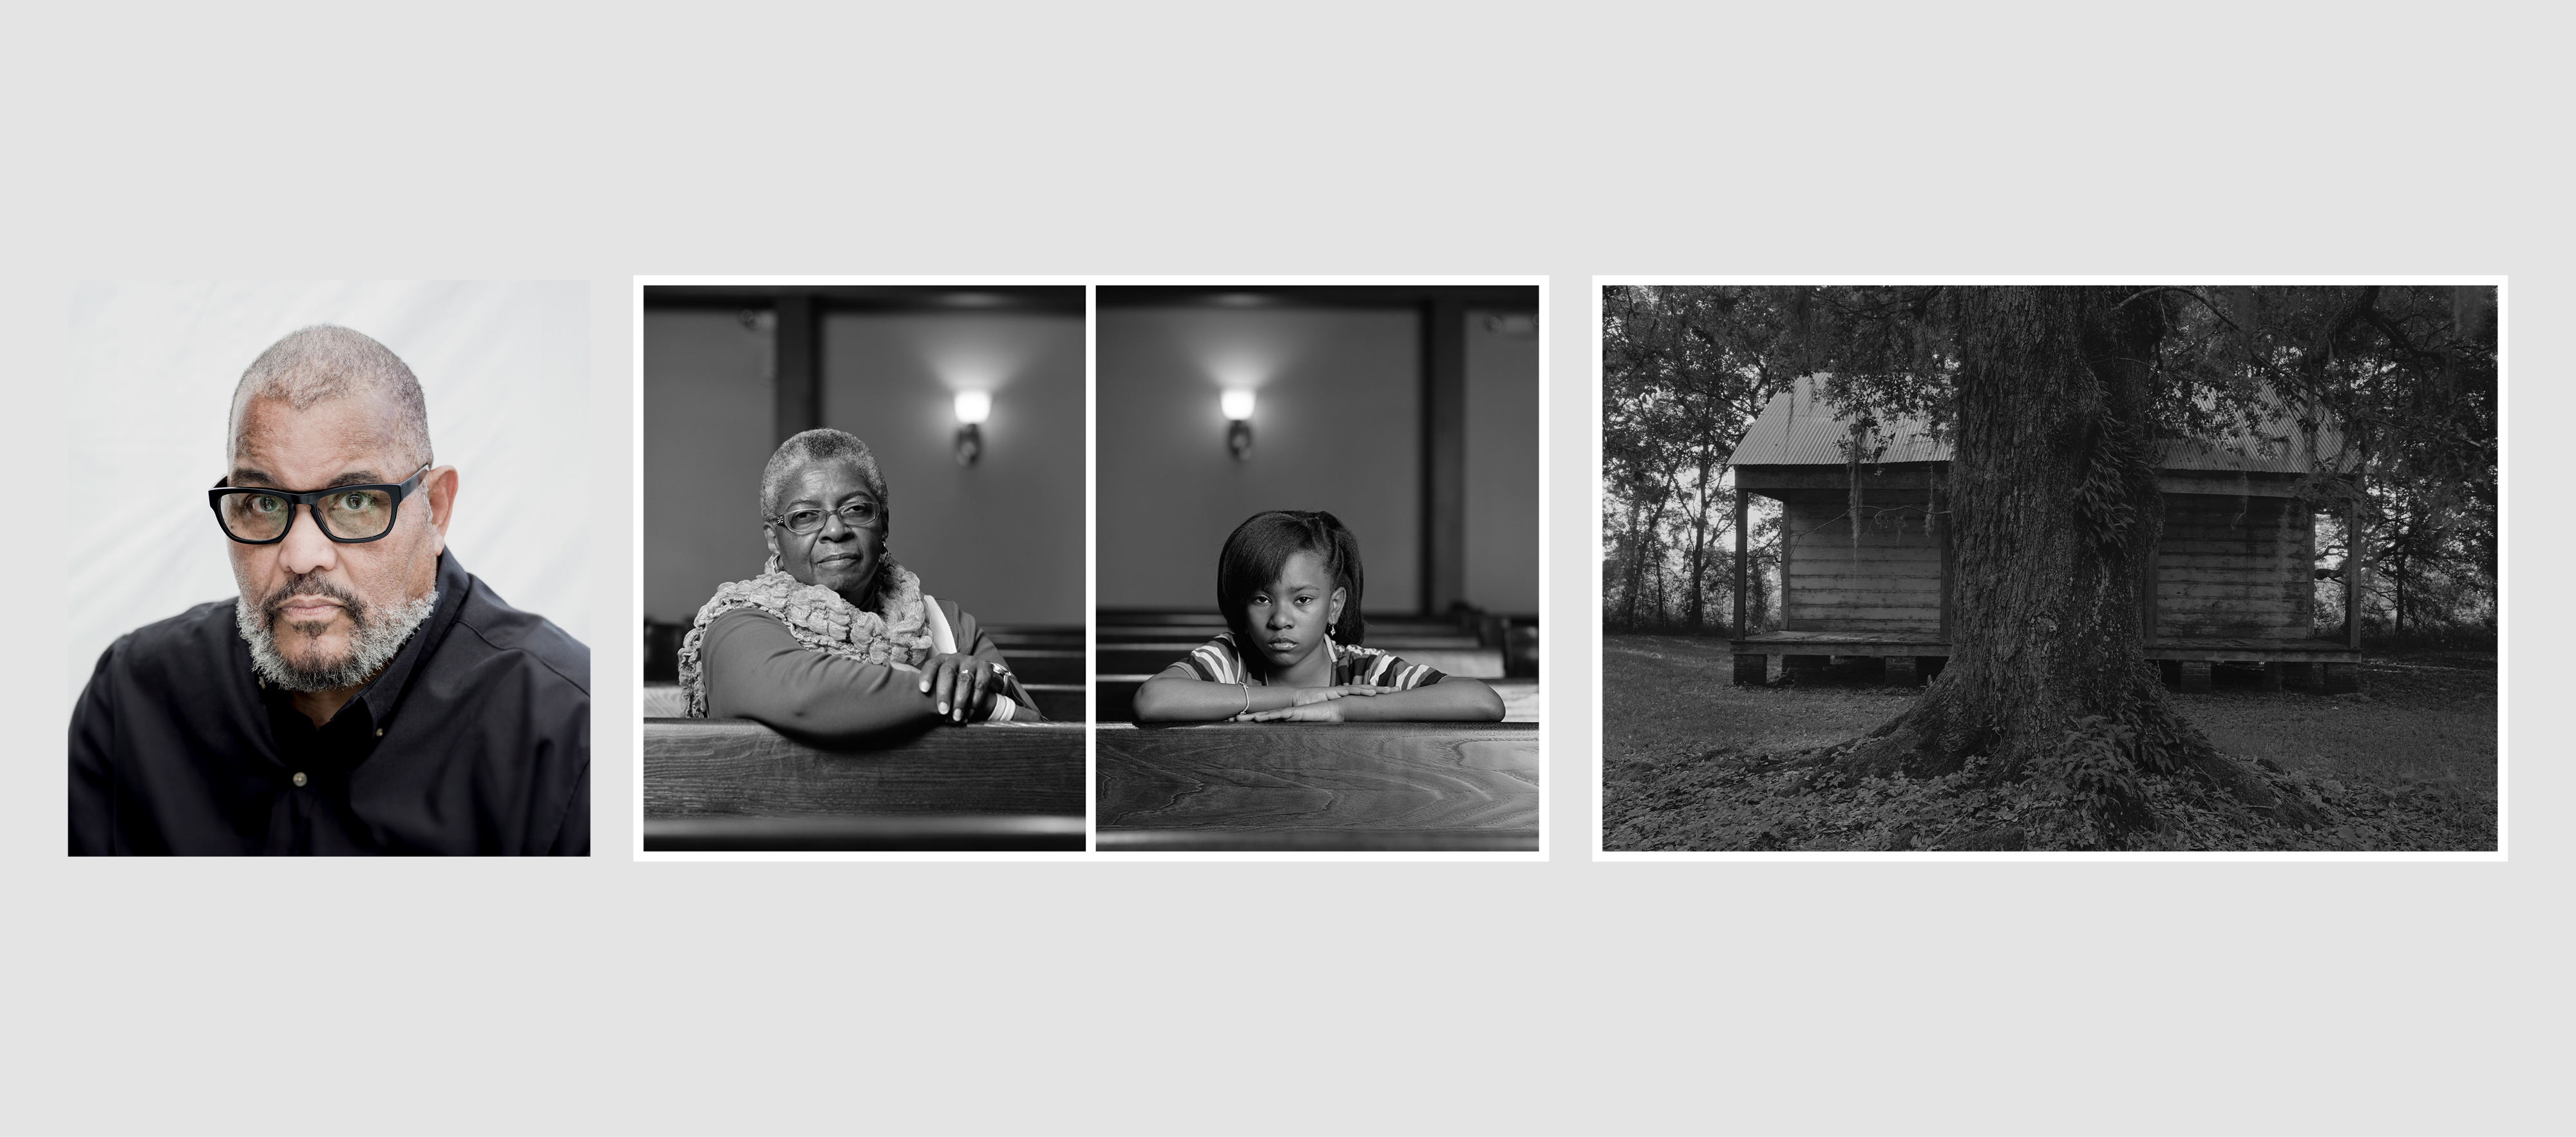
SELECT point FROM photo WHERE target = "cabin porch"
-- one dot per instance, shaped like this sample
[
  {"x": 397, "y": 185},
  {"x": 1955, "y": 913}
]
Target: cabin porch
[{"x": 2322, "y": 667}]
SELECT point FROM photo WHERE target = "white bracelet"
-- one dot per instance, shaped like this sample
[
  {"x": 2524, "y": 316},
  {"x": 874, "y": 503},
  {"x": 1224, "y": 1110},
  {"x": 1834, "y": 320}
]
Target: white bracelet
[{"x": 1247, "y": 696}]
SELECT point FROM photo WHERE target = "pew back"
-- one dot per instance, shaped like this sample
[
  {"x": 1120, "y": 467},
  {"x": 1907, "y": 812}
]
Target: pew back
[
  {"x": 728, "y": 783},
  {"x": 1290, "y": 786}
]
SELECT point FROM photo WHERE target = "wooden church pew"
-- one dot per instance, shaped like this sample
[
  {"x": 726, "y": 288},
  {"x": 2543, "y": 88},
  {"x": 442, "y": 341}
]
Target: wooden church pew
[
  {"x": 733, "y": 784},
  {"x": 1319, "y": 786}
]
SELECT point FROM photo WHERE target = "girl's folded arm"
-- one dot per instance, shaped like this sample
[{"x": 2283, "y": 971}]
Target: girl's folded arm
[
  {"x": 1177, "y": 694},
  {"x": 1455, "y": 698}
]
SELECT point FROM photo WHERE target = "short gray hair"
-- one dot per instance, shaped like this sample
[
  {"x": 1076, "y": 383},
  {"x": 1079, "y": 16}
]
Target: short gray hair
[
  {"x": 824, "y": 445},
  {"x": 325, "y": 362}
]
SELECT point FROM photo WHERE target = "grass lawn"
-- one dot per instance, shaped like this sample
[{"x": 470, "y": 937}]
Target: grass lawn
[{"x": 1691, "y": 759}]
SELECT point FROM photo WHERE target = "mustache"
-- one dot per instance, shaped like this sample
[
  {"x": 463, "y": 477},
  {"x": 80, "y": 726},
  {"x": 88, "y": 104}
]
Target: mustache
[{"x": 311, "y": 584}]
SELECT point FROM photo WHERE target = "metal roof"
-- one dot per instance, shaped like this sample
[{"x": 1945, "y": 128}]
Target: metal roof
[{"x": 1801, "y": 427}]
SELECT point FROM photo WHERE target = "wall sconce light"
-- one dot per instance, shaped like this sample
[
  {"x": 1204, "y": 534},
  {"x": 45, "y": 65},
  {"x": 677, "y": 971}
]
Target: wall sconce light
[
  {"x": 973, "y": 407},
  {"x": 1238, "y": 431}
]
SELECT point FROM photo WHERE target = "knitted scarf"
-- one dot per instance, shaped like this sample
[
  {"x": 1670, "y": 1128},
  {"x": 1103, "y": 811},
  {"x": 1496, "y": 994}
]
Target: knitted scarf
[{"x": 897, "y": 636}]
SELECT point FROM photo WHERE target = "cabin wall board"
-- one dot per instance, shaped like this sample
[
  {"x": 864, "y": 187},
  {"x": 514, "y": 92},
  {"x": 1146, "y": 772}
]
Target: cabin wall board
[
  {"x": 1890, "y": 584},
  {"x": 2238, "y": 567},
  {"x": 2229, "y": 566}
]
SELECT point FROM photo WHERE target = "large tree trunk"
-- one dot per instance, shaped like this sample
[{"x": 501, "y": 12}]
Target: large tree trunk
[{"x": 2052, "y": 485}]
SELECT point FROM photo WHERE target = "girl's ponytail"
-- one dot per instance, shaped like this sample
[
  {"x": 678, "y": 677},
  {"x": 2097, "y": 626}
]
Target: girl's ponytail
[{"x": 1345, "y": 560}]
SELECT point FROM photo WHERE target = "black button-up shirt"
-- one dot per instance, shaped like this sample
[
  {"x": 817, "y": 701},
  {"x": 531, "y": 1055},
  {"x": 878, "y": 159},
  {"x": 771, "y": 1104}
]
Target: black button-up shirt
[{"x": 475, "y": 739}]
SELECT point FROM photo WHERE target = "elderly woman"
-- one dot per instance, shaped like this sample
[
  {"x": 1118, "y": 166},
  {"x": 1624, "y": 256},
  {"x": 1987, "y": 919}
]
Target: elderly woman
[{"x": 834, "y": 639}]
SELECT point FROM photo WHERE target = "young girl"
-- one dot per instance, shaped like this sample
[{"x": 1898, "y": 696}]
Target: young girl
[{"x": 1289, "y": 585}]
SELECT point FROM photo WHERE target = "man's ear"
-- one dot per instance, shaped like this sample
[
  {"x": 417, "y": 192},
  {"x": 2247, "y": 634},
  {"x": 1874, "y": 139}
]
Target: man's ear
[{"x": 439, "y": 486}]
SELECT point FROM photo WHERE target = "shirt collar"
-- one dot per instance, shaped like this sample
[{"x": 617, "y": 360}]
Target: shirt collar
[{"x": 385, "y": 692}]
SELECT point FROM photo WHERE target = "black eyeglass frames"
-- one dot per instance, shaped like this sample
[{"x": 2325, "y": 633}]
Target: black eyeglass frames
[
  {"x": 351, "y": 515},
  {"x": 863, "y": 513}
]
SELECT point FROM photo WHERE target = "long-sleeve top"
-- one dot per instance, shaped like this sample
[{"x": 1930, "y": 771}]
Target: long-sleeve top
[
  {"x": 756, "y": 670},
  {"x": 474, "y": 739}
]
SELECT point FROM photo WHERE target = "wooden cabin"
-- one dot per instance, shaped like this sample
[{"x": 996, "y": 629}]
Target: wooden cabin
[{"x": 2234, "y": 573}]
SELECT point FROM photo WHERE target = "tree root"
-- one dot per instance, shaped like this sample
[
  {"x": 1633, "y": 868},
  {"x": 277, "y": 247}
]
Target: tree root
[{"x": 2095, "y": 776}]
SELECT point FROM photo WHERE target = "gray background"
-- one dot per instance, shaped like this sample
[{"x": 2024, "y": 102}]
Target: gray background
[
  {"x": 1337, "y": 426},
  {"x": 612, "y": 996}
]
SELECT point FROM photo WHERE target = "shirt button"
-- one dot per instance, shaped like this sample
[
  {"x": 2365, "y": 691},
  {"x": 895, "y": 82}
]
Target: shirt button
[
  {"x": 380, "y": 732},
  {"x": 299, "y": 778}
]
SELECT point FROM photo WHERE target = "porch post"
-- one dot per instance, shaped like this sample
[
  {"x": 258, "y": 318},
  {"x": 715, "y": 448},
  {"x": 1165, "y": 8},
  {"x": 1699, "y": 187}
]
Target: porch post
[
  {"x": 1741, "y": 542},
  {"x": 2352, "y": 577}
]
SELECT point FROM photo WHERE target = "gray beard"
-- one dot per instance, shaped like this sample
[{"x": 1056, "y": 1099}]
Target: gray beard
[{"x": 372, "y": 644}]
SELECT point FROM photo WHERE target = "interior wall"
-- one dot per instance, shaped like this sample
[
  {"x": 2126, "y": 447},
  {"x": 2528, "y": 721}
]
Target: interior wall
[
  {"x": 1502, "y": 466},
  {"x": 1003, "y": 537},
  {"x": 710, "y": 423},
  {"x": 1337, "y": 426}
]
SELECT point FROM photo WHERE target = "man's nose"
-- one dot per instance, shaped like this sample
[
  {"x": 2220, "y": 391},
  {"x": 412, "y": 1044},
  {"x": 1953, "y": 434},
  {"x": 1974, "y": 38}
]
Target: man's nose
[{"x": 305, "y": 549}]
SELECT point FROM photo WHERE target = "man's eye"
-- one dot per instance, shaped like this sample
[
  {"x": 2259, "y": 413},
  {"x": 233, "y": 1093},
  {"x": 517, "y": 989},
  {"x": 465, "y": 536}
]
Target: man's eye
[
  {"x": 355, "y": 501},
  {"x": 266, "y": 504}
]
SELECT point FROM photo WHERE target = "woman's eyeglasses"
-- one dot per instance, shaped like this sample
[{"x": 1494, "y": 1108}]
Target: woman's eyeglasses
[
  {"x": 860, "y": 514},
  {"x": 348, "y": 514}
]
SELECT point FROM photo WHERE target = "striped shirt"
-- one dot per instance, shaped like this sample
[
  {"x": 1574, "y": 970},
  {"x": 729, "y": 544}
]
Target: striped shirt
[{"x": 1217, "y": 662}]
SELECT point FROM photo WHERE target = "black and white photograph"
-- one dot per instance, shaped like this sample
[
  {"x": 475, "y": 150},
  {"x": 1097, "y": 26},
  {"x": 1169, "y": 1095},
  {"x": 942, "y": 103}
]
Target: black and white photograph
[
  {"x": 2196, "y": 566},
  {"x": 1318, "y": 568},
  {"x": 332, "y": 598},
  {"x": 863, "y": 538}
]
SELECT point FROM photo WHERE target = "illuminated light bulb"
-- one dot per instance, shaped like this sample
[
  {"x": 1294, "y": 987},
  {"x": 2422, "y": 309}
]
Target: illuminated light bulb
[
  {"x": 973, "y": 407},
  {"x": 1237, "y": 405}
]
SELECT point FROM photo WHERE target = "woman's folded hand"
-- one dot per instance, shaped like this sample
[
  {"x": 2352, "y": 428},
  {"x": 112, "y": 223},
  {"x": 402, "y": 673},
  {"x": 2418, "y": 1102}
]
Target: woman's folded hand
[{"x": 962, "y": 686}]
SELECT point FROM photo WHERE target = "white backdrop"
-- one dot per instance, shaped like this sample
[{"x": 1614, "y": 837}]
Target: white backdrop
[{"x": 505, "y": 368}]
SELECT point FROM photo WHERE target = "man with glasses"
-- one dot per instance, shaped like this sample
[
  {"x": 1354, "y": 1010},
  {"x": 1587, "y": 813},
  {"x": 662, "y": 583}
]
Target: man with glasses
[{"x": 364, "y": 693}]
